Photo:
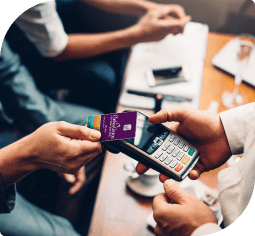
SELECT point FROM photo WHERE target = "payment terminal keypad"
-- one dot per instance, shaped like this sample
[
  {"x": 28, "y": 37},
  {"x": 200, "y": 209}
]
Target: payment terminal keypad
[{"x": 173, "y": 151}]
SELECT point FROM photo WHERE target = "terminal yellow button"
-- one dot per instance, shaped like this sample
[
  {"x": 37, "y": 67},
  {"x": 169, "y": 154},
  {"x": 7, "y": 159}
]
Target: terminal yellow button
[{"x": 185, "y": 160}]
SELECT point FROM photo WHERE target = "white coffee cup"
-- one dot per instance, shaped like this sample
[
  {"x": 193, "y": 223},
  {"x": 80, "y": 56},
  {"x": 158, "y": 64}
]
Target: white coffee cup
[{"x": 149, "y": 178}]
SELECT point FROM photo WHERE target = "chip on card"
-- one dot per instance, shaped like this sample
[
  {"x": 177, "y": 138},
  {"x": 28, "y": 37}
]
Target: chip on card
[{"x": 114, "y": 126}]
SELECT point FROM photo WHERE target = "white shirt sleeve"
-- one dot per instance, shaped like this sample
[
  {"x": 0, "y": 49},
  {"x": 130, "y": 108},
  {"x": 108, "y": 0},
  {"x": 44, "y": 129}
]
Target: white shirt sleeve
[
  {"x": 206, "y": 229},
  {"x": 237, "y": 122},
  {"x": 43, "y": 27}
]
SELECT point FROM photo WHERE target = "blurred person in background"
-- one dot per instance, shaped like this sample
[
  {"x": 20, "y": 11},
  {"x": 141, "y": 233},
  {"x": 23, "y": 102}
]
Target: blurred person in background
[{"x": 62, "y": 52}]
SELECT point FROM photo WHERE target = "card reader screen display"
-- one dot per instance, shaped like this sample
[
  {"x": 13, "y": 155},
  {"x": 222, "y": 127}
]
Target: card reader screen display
[{"x": 146, "y": 133}]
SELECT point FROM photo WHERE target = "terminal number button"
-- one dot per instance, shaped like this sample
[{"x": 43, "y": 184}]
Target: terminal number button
[
  {"x": 173, "y": 164},
  {"x": 172, "y": 137},
  {"x": 166, "y": 145},
  {"x": 185, "y": 148},
  {"x": 175, "y": 153},
  {"x": 163, "y": 157},
  {"x": 157, "y": 155},
  {"x": 170, "y": 149},
  {"x": 176, "y": 141},
  {"x": 180, "y": 156},
  {"x": 168, "y": 160}
]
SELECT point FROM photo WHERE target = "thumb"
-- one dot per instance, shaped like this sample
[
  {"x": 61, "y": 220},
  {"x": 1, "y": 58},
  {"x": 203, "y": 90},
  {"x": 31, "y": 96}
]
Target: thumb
[
  {"x": 175, "y": 192},
  {"x": 173, "y": 114},
  {"x": 78, "y": 132}
]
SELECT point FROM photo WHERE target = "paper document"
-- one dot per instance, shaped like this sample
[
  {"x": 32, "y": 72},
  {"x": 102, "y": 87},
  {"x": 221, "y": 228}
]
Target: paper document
[{"x": 187, "y": 50}]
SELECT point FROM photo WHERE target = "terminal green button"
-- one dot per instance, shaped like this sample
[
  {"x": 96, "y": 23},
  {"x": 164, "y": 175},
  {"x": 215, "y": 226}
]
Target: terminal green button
[{"x": 191, "y": 151}]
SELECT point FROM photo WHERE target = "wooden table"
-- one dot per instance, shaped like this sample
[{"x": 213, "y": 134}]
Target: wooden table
[{"x": 118, "y": 211}]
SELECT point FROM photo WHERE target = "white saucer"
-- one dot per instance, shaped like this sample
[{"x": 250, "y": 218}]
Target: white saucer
[{"x": 147, "y": 191}]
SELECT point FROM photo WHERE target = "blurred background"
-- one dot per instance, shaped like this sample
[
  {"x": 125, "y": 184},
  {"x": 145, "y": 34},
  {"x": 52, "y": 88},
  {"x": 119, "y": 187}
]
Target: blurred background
[{"x": 228, "y": 16}]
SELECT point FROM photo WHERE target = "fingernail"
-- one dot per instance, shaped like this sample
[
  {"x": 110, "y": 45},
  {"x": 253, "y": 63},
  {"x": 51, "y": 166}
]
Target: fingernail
[
  {"x": 95, "y": 134},
  {"x": 168, "y": 182},
  {"x": 70, "y": 178}
]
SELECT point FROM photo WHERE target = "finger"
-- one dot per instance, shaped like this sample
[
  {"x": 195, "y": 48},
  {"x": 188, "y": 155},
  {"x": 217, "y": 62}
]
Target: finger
[
  {"x": 82, "y": 150},
  {"x": 177, "y": 30},
  {"x": 69, "y": 178},
  {"x": 189, "y": 18},
  {"x": 196, "y": 171},
  {"x": 167, "y": 114},
  {"x": 175, "y": 192},
  {"x": 181, "y": 24},
  {"x": 80, "y": 180},
  {"x": 163, "y": 178},
  {"x": 88, "y": 146},
  {"x": 76, "y": 187},
  {"x": 177, "y": 11},
  {"x": 194, "y": 174},
  {"x": 88, "y": 154},
  {"x": 78, "y": 132},
  {"x": 158, "y": 231},
  {"x": 140, "y": 168},
  {"x": 171, "y": 23},
  {"x": 160, "y": 201}
]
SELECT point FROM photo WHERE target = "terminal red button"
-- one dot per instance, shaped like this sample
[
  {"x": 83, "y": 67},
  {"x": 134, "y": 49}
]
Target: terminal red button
[{"x": 178, "y": 168}]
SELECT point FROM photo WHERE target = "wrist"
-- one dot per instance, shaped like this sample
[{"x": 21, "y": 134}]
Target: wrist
[
  {"x": 129, "y": 36},
  {"x": 16, "y": 162},
  {"x": 137, "y": 35}
]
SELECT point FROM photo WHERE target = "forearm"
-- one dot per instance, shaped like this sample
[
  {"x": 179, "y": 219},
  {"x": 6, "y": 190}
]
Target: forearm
[
  {"x": 16, "y": 162},
  {"x": 82, "y": 46},
  {"x": 131, "y": 7}
]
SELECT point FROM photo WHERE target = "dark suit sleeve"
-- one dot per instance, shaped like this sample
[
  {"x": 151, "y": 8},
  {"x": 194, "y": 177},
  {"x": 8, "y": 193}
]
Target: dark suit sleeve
[
  {"x": 7, "y": 198},
  {"x": 20, "y": 97}
]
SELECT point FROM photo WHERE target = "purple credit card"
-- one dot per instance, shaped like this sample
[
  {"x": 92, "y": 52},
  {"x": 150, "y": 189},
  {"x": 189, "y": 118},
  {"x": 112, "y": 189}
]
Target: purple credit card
[{"x": 114, "y": 126}]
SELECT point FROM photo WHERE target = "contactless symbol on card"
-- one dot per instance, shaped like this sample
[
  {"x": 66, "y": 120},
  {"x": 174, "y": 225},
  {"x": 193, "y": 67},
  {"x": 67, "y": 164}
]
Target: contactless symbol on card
[{"x": 114, "y": 126}]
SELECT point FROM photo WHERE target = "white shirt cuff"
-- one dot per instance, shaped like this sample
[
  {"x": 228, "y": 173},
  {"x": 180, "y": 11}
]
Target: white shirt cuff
[
  {"x": 206, "y": 229},
  {"x": 237, "y": 122}
]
